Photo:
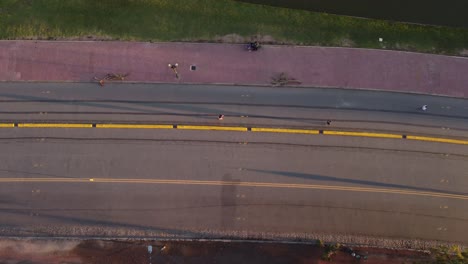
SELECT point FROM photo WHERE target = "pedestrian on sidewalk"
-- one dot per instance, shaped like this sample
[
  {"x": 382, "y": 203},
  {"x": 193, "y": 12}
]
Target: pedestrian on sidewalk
[
  {"x": 328, "y": 122},
  {"x": 174, "y": 68},
  {"x": 424, "y": 107},
  {"x": 220, "y": 117}
]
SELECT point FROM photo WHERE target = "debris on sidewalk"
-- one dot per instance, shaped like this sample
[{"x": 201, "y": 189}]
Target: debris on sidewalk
[
  {"x": 282, "y": 79},
  {"x": 111, "y": 77}
]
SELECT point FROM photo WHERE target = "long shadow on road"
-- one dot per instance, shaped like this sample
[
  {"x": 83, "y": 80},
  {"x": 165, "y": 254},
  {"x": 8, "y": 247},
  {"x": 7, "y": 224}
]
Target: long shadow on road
[
  {"x": 324, "y": 178},
  {"x": 73, "y": 222}
]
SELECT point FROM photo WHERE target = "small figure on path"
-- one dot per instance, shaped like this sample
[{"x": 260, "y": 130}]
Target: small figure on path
[
  {"x": 424, "y": 107},
  {"x": 328, "y": 122},
  {"x": 220, "y": 117},
  {"x": 253, "y": 46},
  {"x": 174, "y": 68}
]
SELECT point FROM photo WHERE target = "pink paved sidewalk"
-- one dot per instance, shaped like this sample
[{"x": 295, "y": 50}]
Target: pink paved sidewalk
[{"x": 232, "y": 64}]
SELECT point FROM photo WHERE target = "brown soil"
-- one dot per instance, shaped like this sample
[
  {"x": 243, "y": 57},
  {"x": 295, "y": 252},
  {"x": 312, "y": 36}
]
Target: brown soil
[
  {"x": 128, "y": 252},
  {"x": 235, "y": 38}
]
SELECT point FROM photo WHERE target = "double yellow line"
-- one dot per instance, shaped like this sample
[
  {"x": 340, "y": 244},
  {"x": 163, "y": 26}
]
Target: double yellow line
[
  {"x": 238, "y": 129},
  {"x": 241, "y": 184}
]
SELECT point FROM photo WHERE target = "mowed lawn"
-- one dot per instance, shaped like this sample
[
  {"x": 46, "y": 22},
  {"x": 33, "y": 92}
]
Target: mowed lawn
[{"x": 210, "y": 20}]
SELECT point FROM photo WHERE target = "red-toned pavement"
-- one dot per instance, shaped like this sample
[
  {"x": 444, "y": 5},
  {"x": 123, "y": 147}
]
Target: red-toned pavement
[{"x": 232, "y": 64}]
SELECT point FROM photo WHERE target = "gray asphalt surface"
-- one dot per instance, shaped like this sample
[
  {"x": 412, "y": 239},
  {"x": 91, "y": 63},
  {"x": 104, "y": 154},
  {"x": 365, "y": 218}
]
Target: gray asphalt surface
[{"x": 144, "y": 209}]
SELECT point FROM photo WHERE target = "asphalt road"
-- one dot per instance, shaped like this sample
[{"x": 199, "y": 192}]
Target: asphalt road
[{"x": 143, "y": 182}]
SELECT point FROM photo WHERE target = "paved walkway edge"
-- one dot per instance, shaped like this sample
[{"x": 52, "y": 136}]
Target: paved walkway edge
[
  {"x": 347, "y": 68},
  {"x": 235, "y": 84}
]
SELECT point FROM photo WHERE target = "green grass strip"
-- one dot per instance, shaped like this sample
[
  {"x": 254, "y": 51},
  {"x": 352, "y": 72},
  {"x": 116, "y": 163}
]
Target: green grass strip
[{"x": 210, "y": 20}]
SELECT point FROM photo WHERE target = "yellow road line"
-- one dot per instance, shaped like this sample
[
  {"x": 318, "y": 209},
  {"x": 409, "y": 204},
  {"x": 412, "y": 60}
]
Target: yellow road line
[
  {"x": 223, "y": 128},
  {"x": 134, "y": 126},
  {"x": 441, "y": 140},
  {"x": 360, "y": 134},
  {"x": 57, "y": 125},
  {"x": 285, "y": 130},
  {"x": 238, "y": 128},
  {"x": 43, "y": 180},
  {"x": 243, "y": 184}
]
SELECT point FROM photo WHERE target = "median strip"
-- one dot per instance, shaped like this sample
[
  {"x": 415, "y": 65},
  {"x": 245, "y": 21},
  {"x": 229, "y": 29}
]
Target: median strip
[
  {"x": 222, "y": 128},
  {"x": 361, "y": 134},
  {"x": 284, "y": 130},
  {"x": 134, "y": 126},
  {"x": 237, "y": 128},
  {"x": 55, "y": 125},
  {"x": 440, "y": 140}
]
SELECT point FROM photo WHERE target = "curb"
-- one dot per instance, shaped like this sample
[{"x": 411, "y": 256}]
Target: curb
[{"x": 238, "y": 84}]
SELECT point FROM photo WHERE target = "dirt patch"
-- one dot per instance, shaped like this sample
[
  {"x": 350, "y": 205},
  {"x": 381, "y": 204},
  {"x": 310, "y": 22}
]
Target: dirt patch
[
  {"x": 136, "y": 251},
  {"x": 112, "y": 252},
  {"x": 88, "y": 38},
  {"x": 38, "y": 251},
  {"x": 265, "y": 39},
  {"x": 74, "y": 38},
  {"x": 230, "y": 38},
  {"x": 464, "y": 52},
  {"x": 235, "y": 38},
  {"x": 345, "y": 42},
  {"x": 37, "y": 246}
]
